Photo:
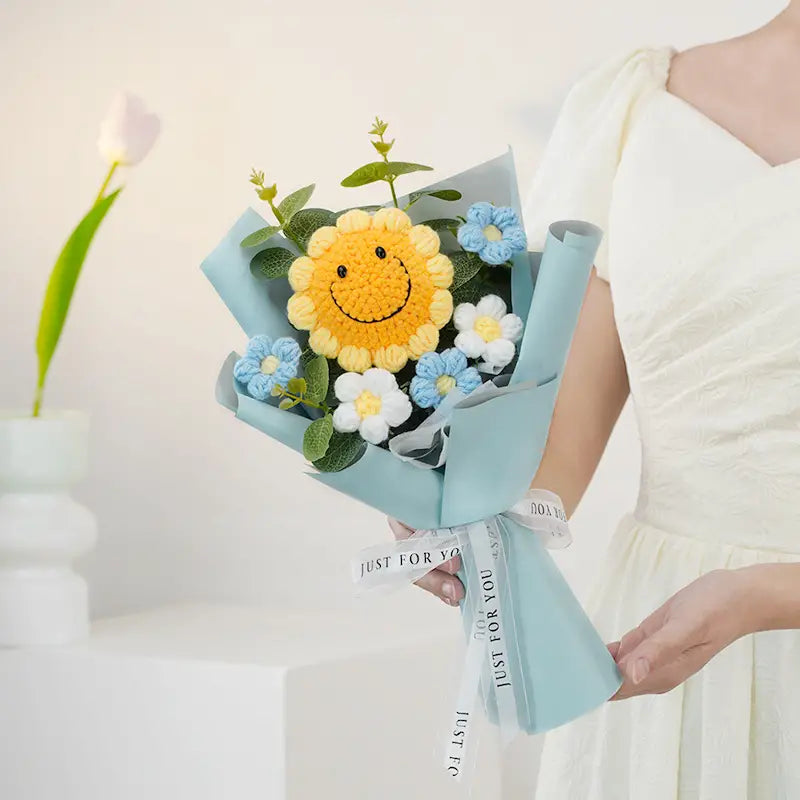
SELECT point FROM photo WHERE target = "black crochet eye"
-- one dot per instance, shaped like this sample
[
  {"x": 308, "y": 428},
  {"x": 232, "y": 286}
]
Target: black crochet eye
[
  {"x": 342, "y": 271},
  {"x": 380, "y": 252}
]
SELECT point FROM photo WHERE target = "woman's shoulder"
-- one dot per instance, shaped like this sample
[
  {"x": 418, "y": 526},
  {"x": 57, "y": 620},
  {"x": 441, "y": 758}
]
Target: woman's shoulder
[{"x": 702, "y": 75}]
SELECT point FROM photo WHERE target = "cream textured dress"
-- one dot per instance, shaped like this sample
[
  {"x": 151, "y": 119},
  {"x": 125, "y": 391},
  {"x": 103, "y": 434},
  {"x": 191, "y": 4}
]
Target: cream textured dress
[{"x": 703, "y": 258}]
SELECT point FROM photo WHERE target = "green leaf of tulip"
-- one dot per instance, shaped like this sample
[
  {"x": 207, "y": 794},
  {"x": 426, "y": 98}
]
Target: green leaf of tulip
[
  {"x": 260, "y": 236},
  {"x": 62, "y": 282},
  {"x": 305, "y": 222},
  {"x": 343, "y": 450},
  {"x": 317, "y": 378},
  {"x": 317, "y": 438},
  {"x": 404, "y": 167},
  {"x": 294, "y": 202},
  {"x": 274, "y": 262},
  {"x": 465, "y": 267},
  {"x": 369, "y": 173}
]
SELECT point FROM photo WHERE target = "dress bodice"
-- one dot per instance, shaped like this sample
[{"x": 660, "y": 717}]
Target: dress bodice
[{"x": 704, "y": 266}]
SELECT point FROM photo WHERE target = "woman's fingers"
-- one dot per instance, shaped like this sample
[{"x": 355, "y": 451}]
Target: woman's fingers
[
  {"x": 446, "y": 587},
  {"x": 439, "y": 581},
  {"x": 399, "y": 530}
]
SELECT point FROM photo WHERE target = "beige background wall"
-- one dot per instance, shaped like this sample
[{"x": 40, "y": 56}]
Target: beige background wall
[{"x": 192, "y": 504}]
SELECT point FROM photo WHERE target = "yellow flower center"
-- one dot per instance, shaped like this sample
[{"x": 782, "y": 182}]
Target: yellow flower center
[
  {"x": 488, "y": 328},
  {"x": 445, "y": 384},
  {"x": 367, "y": 404},
  {"x": 270, "y": 364},
  {"x": 493, "y": 233}
]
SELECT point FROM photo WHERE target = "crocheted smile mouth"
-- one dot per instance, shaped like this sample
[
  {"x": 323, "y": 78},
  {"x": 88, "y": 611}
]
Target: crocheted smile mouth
[{"x": 381, "y": 319}]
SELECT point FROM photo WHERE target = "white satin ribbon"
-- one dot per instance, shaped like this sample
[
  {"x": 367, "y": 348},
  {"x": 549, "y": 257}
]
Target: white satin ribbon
[{"x": 492, "y": 644}]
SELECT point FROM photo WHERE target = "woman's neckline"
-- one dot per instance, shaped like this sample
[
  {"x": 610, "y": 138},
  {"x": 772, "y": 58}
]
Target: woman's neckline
[{"x": 718, "y": 126}]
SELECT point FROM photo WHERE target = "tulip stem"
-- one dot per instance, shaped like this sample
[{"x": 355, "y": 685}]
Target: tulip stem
[{"x": 109, "y": 176}]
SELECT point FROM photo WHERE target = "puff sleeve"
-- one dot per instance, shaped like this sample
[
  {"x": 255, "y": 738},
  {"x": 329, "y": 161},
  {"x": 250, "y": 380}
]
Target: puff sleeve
[{"x": 575, "y": 177}]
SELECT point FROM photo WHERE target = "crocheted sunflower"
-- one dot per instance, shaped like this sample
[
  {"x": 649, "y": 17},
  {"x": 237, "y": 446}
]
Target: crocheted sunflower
[{"x": 372, "y": 290}]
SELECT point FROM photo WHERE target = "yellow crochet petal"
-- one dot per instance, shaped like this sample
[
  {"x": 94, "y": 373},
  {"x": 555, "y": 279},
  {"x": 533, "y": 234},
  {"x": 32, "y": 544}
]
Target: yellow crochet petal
[
  {"x": 354, "y": 359},
  {"x": 441, "y": 270},
  {"x": 354, "y": 220},
  {"x": 390, "y": 219},
  {"x": 300, "y": 273},
  {"x": 322, "y": 341},
  {"x": 441, "y": 307},
  {"x": 392, "y": 358},
  {"x": 321, "y": 240},
  {"x": 301, "y": 312},
  {"x": 425, "y": 239},
  {"x": 423, "y": 341}
]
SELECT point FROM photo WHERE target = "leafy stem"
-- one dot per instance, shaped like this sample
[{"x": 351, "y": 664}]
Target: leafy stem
[
  {"x": 268, "y": 194},
  {"x": 282, "y": 222},
  {"x": 285, "y": 394},
  {"x": 384, "y": 151}
]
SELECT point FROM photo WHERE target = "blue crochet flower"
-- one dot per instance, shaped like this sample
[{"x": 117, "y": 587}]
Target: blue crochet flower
[
  {"x": 495, "y": 234},
  {"x": 267, "y": 364},
  {"x": 438, "y": 374}
]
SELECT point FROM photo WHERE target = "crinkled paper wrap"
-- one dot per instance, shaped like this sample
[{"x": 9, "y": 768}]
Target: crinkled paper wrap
[{"x": 494, "y": 448}]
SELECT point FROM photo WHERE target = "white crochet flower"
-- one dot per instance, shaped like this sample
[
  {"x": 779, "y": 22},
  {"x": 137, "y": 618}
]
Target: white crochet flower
[
  {"x": 486, "y": 331},
  {"x": 370, "y": 404}
]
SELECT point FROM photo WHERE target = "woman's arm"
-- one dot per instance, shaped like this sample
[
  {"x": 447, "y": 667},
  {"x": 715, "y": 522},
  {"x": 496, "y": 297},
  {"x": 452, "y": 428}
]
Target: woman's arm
[
  {"x": 702, "y": 619},
  {"x": 592, "y": 393}
]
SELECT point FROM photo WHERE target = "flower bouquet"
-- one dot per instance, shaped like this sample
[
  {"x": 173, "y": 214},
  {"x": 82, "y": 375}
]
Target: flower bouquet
[{"x": 413, "y": 351}]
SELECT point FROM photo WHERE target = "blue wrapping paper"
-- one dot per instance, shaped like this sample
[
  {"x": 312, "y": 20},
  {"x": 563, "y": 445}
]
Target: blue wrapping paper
[{"x": 495, "y": 447}]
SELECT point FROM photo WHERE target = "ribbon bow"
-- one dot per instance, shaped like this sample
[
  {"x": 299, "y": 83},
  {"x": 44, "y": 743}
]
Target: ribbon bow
[{"x": 492, "y": 643}]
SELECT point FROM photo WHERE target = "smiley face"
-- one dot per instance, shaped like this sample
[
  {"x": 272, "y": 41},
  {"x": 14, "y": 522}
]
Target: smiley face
[
  {"x": 372, "y": 290},
  {"x": 354, "y": 293}
]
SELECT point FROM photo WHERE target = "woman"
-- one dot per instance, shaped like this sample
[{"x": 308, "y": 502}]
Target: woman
[{"x": 691, "y": 163}]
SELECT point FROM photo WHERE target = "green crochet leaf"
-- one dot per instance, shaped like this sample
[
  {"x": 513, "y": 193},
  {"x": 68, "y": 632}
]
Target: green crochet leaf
[
  {"x": 316, "y": 372},
  {"x": 274, "y": 262},
  {"x": 305, "y": 222},
  {"x": 450, "y": 195},
  {"x": 369, "y": 173},
  {"x": 470, "y": 292},
  {"x": 343, "y": 450},
  {"x": 465, "y": 267},
  {"x": 317, "y": 438},
  {"x": 294, "y": 202},
  {"x": 443, "y": 224},
  {"x": 404, "y": 167},
  {"x": 260, "y": 236}
]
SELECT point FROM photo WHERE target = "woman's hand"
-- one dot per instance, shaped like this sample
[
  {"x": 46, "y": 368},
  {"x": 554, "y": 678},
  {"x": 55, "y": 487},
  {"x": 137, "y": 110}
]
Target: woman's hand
[
  {"x": 441, "y": 581},
  {"x": 689, "y": 629}
]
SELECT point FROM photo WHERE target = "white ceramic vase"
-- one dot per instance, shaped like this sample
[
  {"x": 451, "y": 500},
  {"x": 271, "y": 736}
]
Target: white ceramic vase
[{"x": 43, "y": 601}]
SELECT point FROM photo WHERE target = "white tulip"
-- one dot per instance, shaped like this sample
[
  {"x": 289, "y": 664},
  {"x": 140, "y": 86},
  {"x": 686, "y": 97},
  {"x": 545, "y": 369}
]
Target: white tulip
[{"x": 128, "y": 132}]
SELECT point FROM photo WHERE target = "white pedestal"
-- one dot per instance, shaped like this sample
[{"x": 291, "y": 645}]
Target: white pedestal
[{"x": 223, "y": 703}]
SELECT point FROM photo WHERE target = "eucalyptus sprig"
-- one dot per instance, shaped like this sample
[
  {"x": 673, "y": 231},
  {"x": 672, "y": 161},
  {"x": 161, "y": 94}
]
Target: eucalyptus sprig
[
  {"x": 388, "y": 171},
  {"x": 283, "y": 211},
  {"x": 295, "y": 393}
]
